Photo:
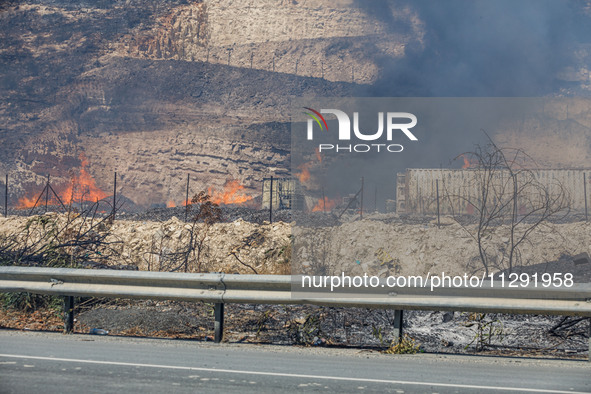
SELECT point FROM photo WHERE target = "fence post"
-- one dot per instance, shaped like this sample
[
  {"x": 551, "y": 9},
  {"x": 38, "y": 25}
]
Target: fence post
[
  {"x": 114, "y": 195},
  {"x": 47, "y": 193},
  {"x": 187, "y": 199},
  {"x": 6, "y": 197},
  {"x": 219, "y": 322},
  {"x": 375, "y": 199},
  {"x": 515, "y": 206},
  {"x": 584, "y": 192},
  {"x": 68, "y": 314},
  {"x": 271, "y": 201},
  {"x": 361, "y": 203},
  {"x": 398, "y": 319},
  {"x": 437, "y": 190}
]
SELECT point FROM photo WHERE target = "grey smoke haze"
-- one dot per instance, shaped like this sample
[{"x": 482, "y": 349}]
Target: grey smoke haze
[
  {"x": 485, "y": 48},
  {"x": 446, "y": 128},
  {"x": 482, "y": 47}
]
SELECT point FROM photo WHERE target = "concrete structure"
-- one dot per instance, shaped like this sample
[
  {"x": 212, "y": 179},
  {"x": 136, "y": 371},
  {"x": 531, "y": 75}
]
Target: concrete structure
[
  {"x": 419, "y": 190},
  {"x": 284, "y": 194}
]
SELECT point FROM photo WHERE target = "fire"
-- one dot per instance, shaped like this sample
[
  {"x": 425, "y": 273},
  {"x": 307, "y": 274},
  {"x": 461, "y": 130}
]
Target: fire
[
  {"x": 467, "y": 163},
  {"x": 324, "y": 204},
  {"x": 304, "y": 176},
  {"x": 81, "y": 188},
  {"x": 230, "y": 195},
  {"x": 25, "y": 202},
  {"x": 170, "y": 204}
]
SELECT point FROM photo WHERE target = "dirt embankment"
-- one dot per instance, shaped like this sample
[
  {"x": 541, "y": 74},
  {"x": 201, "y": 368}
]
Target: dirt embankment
[
  {"x": 379, "y": 245},
  {"x": 386, "y": 245},
  {"x": 234, "y": 247}
]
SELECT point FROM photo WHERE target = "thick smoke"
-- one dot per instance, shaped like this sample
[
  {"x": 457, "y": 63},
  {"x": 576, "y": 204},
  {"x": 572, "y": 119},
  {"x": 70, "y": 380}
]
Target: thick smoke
[
  {"x": 466, "y": 48},
  {"x": 481, "y": 47}
]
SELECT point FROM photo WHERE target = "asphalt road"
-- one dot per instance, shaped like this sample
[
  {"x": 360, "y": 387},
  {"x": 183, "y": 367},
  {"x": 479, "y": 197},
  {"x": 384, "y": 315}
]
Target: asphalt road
[{"x": 33, "y": 362}]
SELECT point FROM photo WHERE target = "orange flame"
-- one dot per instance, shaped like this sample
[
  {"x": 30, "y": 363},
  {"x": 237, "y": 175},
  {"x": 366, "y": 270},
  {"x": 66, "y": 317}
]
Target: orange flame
[
  {"x": 170, "y": 204},
  {"x": 467, "y": 163},
  {"x": 321, "y": 204},
  {"x": 304, "y": 176},
  {"x": 230, "y": 194},
  {"x": 26, "y": 202},
  {"x": 318, "y": 155},
  {"x": 82, "y": 188}
]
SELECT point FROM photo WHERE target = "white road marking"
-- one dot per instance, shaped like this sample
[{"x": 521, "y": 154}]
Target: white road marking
[{"x": 292, "y": 375}]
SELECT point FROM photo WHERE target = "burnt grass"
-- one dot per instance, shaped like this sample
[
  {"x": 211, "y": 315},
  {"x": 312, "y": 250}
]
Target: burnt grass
[{"x": 365, "y": 329}]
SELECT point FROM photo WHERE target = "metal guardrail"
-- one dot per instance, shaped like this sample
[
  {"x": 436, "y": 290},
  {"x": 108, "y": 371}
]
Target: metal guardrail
[{"x": 277, "y": 289}]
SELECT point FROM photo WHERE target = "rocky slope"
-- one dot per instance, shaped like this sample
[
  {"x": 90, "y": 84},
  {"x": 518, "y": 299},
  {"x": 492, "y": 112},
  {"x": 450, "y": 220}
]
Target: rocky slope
[{"x": 158, "y": 90}]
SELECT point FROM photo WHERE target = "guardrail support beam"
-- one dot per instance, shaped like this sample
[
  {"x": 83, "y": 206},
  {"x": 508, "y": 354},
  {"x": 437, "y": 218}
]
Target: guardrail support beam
[
  {"x": 398, "y": 317},
  {"x": 68, "y": 314},
  {"x": 219, "y": 322}
]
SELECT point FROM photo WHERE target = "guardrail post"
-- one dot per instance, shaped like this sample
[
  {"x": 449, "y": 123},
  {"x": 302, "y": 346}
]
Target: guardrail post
[
  {"x": 590, "y": 339},
  {"x": 219, "y": 322},
  {"x": 398, "y": 317},
  {"x": 68, "y": 314}
]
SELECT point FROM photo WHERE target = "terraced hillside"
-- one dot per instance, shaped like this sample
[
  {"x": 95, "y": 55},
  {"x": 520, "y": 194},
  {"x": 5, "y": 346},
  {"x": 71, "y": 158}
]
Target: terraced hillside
[{"x": 156, "y": 90}]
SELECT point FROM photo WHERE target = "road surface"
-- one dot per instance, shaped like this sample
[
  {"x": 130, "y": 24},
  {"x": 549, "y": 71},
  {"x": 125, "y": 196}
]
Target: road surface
[{"x": 34, "y": 362}]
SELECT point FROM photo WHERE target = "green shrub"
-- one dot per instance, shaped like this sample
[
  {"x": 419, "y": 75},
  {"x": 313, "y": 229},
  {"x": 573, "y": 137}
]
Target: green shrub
[
  {"x": 29, "y": 302},
  {"x": 406, "y": 345}
]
